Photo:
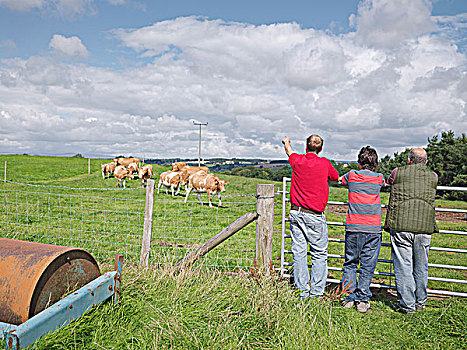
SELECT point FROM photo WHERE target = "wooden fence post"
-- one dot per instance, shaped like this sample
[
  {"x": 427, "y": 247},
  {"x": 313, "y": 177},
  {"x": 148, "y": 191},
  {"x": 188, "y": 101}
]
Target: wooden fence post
[
  {"x": 4, "y": 179},
  {"x": 89, "y": 166},
  {"x": 146, "y": 242},
  {"x": 264, "y": 226}
]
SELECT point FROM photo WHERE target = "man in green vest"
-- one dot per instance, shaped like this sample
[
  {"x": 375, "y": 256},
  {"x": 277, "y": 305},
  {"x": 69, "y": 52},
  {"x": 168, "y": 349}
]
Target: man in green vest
[{"x": 411, "y": 221}]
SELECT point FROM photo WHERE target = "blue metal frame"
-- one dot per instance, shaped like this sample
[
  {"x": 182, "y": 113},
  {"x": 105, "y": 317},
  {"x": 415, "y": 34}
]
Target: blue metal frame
[{"x": 65, "y": 310}]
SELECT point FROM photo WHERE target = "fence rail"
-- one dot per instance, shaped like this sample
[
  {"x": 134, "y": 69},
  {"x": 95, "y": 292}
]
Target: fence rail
[{"x": 385, "y": 267}]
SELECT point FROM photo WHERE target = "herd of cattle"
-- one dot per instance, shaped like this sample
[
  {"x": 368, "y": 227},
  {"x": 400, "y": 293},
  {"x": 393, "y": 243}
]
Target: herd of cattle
[{"x": 195, "y": 179}]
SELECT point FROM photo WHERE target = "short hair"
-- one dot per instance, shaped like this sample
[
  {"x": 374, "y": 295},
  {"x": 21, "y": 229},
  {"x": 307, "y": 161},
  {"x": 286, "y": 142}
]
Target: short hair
[
  {"x": 368, "y": 158},
  {"x": 314, "y": 143},
  {"x": 418, "y": 155}
]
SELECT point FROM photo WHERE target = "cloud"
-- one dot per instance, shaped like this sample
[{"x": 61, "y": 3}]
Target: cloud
[
  {"x": 68, "y": 8},
  {"x": 253, "y": 84},
  {"x": 72, "y": 46},
  {"x": 22, "y": 5},
  {"x": 387, "y": 23}
]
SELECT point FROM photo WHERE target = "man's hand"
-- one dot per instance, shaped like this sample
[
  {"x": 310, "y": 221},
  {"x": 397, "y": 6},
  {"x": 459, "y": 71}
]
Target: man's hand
[{"x": 287, "y": 147}]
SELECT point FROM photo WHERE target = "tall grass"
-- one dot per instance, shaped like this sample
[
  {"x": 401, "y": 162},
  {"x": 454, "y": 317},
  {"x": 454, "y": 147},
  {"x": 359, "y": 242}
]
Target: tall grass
[{"x": 201, "y": 308}]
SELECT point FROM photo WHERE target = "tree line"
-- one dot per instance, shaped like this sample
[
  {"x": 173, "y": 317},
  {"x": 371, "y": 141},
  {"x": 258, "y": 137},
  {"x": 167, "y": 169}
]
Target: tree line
[{"x": 447, "y": 156}]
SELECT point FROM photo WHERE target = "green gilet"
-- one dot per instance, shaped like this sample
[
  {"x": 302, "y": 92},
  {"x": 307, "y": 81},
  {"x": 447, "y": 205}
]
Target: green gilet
[{"x": 412, "y": 201}]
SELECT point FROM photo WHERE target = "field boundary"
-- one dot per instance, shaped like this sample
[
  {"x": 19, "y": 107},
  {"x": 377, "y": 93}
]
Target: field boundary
[{"x": 149, "y": 232}]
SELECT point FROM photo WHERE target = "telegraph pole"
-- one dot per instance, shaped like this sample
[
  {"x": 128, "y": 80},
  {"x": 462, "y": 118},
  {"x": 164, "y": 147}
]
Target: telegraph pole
[{"x": 199, "y": 146}]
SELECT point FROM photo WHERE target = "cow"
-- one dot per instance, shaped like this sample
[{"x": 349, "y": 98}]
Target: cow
[
  {"x": 121, "y": 173},
  {"x": 144, "y": 173},
  {"x": 107, "y": 169},
  {"x": 132, "y": 167},
  {"x": 187, "y": 171},
  {"x": 201, "y": 182},
  {"x": 178, "y": 166},
  {"x": 170, "y": 179},
  {"x": 127, "y": 161}
]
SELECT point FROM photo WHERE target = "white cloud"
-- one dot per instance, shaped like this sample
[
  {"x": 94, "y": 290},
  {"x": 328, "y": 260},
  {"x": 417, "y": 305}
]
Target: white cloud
[
  {"x": 53, "y": 7},
  {"x": 387, "y": 23},
  {"x": 253, "y": 84},
  {"x": 71, "y": 46},
  {"x": 22, "y": 5}
]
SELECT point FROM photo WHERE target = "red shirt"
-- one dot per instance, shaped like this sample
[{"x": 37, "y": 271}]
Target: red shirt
[{"x": 310, "y": 187}]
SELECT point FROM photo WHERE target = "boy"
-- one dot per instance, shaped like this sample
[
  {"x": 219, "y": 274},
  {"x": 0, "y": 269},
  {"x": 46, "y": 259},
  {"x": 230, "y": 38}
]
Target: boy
[{"x": 362, "y": 229}]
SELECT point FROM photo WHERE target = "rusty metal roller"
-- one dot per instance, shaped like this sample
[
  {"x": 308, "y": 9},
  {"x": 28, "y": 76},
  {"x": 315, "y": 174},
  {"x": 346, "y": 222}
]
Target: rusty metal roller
[{"x": 34, "y": 276}]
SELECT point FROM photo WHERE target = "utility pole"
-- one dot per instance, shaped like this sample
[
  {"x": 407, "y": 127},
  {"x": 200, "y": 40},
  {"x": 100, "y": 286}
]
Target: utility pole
[{"x": 199, "y": 146}]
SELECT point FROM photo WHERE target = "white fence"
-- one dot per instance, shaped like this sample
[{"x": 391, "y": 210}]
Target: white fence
[{"x": 447, "y": 269}]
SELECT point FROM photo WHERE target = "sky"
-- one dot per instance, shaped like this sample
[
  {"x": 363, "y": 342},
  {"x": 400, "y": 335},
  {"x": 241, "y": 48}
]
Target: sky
[{"x": 130, "y": 77}]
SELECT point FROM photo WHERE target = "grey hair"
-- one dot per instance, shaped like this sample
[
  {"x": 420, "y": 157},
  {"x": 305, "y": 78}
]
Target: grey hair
[{"x": 418, "y": 155}]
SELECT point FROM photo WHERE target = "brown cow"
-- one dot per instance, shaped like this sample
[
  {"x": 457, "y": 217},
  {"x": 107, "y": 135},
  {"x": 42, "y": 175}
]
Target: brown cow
[
  {"x": 204, "y": 182},
  {"x": 187, "y": 171},
  {"x": 107, "y": 169},
  {"x": 178, "y": 166},
  {"x": 170, "y": 179},
  {"x": 121, "y": 173},
  {"x": 127, "y": 161},
  {"x": 133, "y": 167},
  {"x": 145, "y": 172}
]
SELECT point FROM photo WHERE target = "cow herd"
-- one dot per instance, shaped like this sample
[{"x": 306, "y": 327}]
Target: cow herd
[{"x": 194, "y": 179}]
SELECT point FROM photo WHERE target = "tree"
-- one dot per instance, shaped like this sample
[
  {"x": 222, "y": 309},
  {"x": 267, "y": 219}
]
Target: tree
[{"x": 447, "y": 157}]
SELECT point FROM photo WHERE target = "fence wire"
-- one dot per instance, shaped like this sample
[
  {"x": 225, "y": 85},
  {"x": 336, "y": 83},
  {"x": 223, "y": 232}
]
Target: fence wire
[
  {"x": 180, "y": 227},
  {"x": 105, "y": 225}
]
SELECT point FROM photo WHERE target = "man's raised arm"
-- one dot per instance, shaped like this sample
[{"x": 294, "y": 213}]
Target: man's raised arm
[{"x": 287, "y": 146}]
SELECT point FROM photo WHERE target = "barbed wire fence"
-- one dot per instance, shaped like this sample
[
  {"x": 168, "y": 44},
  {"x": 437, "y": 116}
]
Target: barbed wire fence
[{"x": 105, "y": 224}]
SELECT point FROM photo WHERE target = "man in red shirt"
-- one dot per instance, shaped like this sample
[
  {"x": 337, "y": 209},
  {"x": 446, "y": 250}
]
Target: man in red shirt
[{"x": 309, "y": 193}]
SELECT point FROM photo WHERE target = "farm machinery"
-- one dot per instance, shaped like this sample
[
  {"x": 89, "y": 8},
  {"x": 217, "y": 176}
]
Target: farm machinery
[{"x": 44, "y": 287}]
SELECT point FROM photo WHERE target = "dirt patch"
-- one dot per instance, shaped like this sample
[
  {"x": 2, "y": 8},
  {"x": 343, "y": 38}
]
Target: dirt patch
[{"x": 440, "y": 216}]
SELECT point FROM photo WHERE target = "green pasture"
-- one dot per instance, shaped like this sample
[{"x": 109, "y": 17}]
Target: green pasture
[
  {"x": 81, "y": 211},
  {"x": 221, "y": 303}
]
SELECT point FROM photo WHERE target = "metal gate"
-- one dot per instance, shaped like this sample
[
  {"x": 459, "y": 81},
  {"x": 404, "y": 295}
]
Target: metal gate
[{"x": 384, "y": 273}]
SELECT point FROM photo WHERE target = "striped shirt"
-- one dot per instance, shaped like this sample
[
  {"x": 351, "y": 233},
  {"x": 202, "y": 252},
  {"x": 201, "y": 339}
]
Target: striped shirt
[{"x": 364, "y": 214}]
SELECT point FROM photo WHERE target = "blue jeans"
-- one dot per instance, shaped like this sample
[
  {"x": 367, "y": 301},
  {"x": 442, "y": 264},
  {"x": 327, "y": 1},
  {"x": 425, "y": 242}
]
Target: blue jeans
[
  {"x": 410, "y": 259},
  {"x": 360, "y": 248},
  {"x": 309, "y": 229}
]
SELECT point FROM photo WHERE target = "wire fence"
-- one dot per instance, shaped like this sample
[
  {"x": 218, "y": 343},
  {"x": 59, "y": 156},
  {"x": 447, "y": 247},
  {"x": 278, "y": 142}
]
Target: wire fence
[
  {"x": 180, "y": 227},
  {"x": 105, "y": 224},
  {"x": 102, "y": 225},
  {"x": 447, "y": 268}
]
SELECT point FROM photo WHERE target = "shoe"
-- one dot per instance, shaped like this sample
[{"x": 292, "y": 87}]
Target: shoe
[
  {"x": 404, "y": 311},
  {"x": 363, "y": 306},
  {"x": 419, "y": 308},
  {"x": 348, "y": 304}
]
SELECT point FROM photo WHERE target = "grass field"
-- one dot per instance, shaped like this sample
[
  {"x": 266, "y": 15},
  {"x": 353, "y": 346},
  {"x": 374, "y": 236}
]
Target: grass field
[{"x": 219, "y": 303}]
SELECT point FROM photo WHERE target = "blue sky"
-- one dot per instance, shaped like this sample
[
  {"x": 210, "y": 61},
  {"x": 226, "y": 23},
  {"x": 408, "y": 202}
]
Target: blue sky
[{"x": 128, "y": 77}]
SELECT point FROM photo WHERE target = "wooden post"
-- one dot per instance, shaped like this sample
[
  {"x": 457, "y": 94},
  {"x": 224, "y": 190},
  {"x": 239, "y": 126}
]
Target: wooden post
[
  {"x": 146, "y": 242},
  {"x": 264, "y": 226},
  {"x": 234, "y": 227},
  {"x": 89, "y": 166},
  {"x": 4, "y": 179}
]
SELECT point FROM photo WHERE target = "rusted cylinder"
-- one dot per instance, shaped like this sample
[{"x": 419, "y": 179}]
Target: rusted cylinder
[{"x": 34, "y": 276}]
